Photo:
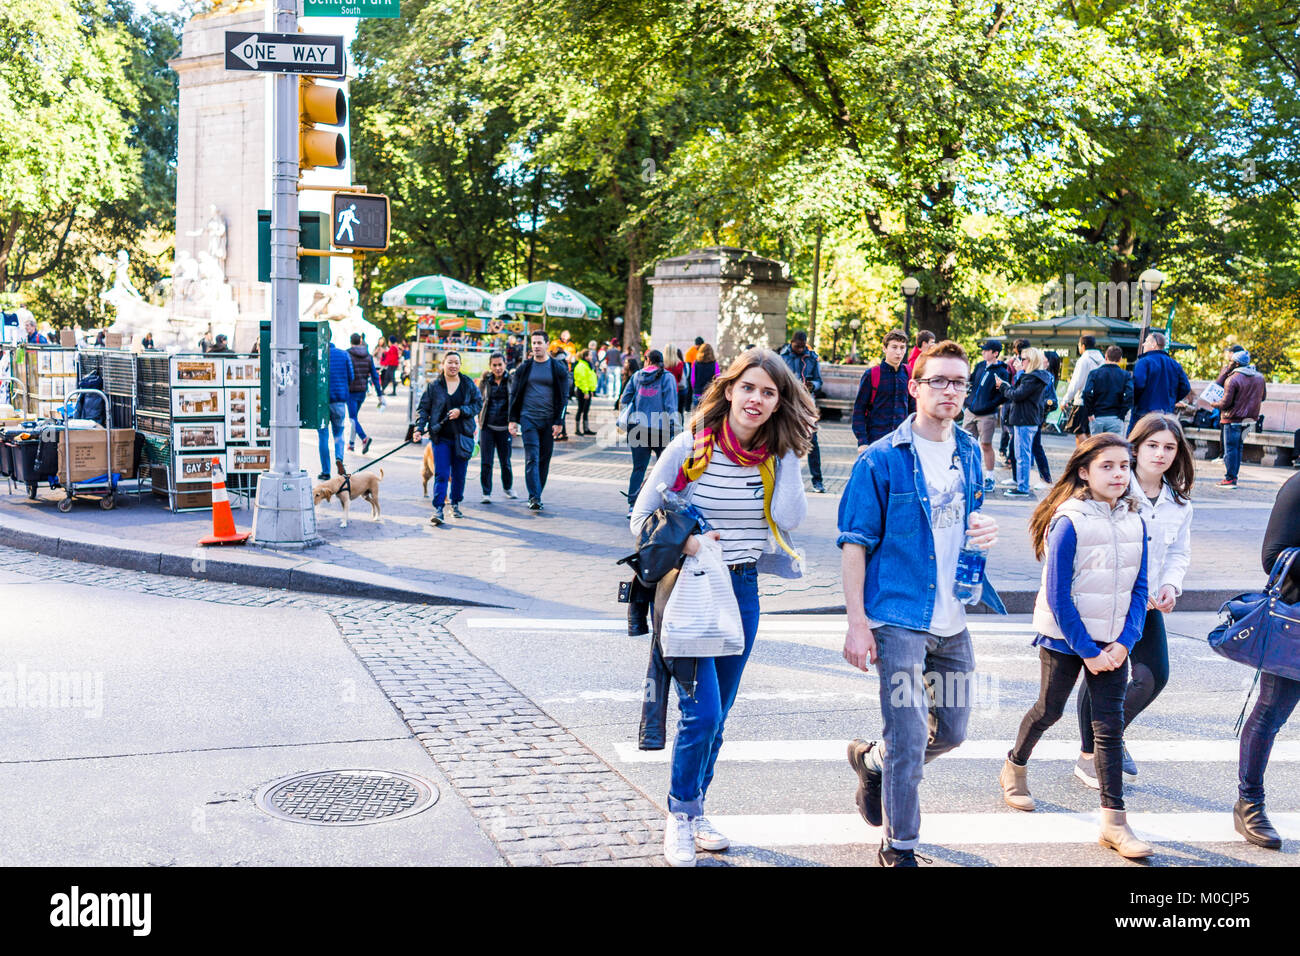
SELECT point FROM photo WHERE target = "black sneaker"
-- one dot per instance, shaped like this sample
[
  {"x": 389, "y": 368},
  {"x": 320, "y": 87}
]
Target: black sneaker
[
  {"x": 534, "y": 504},
  {"x": 818, "y": 487},
  {"x": 455, "y": 510},
  {"x": 892, "y": 856},
  {"x": 1013, "y": 493},
  {"x": 437, "y": 518},
  {"x": 365, "y": 445},
  {"x": 868, "y": 796},
  {"x": 323, "y": 476}
]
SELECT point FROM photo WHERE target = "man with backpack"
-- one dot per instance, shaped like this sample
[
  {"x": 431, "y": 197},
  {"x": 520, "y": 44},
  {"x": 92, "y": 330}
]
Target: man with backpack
[
  {"x": 803, "y": 362},
  {"x": 648, "y": 411},
  {"x": 882, "y": 402},
  {"x": 363, "y": 374},
  {"x": 984, "y": 400}
]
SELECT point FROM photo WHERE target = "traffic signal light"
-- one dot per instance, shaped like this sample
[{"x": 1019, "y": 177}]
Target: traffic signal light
[{"x": 321, "y": 103}]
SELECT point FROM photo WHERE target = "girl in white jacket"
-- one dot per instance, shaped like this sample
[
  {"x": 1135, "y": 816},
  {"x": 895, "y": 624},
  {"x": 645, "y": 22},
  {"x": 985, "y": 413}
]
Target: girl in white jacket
[
  {"x": 1162, "y": 486},
  {"x": 1088, "y": 616}
]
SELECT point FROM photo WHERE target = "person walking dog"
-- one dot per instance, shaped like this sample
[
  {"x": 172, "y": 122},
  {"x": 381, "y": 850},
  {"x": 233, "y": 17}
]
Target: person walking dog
[
  {"x": 447, "y": 410},
  {"x": 738, "y": 465}
]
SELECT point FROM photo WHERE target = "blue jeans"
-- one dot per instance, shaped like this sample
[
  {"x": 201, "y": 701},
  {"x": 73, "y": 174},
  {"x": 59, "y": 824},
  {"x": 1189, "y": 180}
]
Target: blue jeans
[
  {"x": 1024, "y": 454},
  {"x": 699, "y": 731},
  {"x": 355, "y": 400},
  {"x": 538, "y": 445},
  {"x": 1232, "y": 435},
  {"x": 640, "y": 462},
  {"x": 1278, "y": 697},
  {"x": 448, "y": 467},
  {"x": 917, "y": 726},
  {"x": 338, "y": 412},
  {"x": 491, "y": 441}
]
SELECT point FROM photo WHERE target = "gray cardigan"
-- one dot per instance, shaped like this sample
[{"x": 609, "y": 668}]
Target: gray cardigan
[{"x": 789, "y": 503}]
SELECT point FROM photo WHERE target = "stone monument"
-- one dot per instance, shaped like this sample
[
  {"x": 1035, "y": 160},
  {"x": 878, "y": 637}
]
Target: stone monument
[{"x": 728, "y": 296}]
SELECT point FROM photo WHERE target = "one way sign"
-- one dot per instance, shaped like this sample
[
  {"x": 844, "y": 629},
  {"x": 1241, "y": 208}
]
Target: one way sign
[{"x": 284, "y": 53}]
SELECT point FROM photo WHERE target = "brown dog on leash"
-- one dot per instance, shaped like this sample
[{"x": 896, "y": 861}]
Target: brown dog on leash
[
  {"x": 426, "y": 468},
  {"x": 363, "y": 485}
]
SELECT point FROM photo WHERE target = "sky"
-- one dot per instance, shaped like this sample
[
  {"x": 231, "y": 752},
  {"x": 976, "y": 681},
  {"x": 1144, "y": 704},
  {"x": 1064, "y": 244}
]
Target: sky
[{"x": 345, "y": 26}]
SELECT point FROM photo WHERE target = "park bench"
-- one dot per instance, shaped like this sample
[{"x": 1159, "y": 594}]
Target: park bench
[{"x": 1275, "y": 445}]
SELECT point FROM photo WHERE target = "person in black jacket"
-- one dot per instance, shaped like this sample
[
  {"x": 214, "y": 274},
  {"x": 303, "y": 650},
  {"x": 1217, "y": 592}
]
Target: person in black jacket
[
  {"x": 537, "y": 405},
  {"x": 1025, "y": 413},
  {"x": 447, "y": 410},
  {"x": 1108, "y": 395},
  {"x": 1278, "y": 695},
  {"x": 494, "y": 430},
  {"x": 983, "y": 400}
]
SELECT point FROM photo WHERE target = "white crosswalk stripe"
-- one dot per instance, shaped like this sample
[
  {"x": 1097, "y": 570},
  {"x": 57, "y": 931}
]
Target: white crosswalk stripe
[
  {"x": 807, "y": 751},
  {"x": 968, "y": 829}
]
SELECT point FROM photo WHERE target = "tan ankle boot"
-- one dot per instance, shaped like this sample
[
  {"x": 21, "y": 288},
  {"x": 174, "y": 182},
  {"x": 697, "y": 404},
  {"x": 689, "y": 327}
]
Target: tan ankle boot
[
  {"x": 1015, "y": 786},
  {"x": 1115, "y": 833}
]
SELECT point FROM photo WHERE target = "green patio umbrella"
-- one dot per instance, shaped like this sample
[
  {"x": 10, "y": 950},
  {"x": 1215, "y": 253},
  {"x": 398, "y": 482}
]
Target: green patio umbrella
[
  {"x": 546, "y": 298},
  {"x": 437, "y": 294}
]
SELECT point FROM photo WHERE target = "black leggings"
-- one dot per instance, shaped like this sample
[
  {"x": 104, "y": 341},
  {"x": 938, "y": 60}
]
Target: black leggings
[
  {"x": 581, "y": 419},
  {"x": 1150, "y": 665},
  {"x": 1058, "y": 674}
]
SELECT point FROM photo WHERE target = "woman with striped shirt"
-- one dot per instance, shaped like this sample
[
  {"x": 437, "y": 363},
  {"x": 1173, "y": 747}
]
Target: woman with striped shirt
[{"x": 738, "y": 464}]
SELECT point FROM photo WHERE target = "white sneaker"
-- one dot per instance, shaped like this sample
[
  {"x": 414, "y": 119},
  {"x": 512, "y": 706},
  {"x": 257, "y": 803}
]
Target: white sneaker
[
  {"x": 486, "y": 500},
  {"x": 510, "y": 493},
  {"x": 707, "y": 837},
  {"x": 1008, "y": 481},
  {"x": 679, "y": 840},
  {"x": 1040, "y": 485}
]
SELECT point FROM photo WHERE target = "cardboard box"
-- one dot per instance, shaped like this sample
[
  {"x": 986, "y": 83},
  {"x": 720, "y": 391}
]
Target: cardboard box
[
  {"x": 247, "y": 460},
  {"x": 198, "y": 402},
  {"x": 192, "y": 500},
  {"x": 68, "y": 338},
  {"x": 87, "y": 447}
]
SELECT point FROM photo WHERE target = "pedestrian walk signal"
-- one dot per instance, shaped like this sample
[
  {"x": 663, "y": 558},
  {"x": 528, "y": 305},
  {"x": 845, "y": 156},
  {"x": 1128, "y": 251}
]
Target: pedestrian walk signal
[
  {"x": 360, "y": 221},
  {"x": 321, "y": 103}
]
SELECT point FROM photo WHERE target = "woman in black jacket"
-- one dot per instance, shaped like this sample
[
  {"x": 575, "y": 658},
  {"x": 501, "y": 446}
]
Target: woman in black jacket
[
  {"x": 1278, "y": 695},
  {"x": 446, "y": 415},
  {"x": 1025, "y": 413}
]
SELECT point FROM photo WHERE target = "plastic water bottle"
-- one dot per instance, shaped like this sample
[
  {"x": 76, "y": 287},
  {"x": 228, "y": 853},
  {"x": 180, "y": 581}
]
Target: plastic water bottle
[
  {"x": 675, "y": 502},
  {"x": 969, "y": 584}
]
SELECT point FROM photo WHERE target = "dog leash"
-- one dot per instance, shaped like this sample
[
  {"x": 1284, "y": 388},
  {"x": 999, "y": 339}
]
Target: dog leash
[{"x": 375, "y": 461}]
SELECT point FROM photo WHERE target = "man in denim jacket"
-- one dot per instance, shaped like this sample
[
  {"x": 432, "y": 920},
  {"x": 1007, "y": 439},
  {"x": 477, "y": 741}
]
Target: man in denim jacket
[{"x": 903, "y": 519}]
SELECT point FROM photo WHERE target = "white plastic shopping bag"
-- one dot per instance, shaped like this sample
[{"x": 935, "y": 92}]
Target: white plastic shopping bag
[{"x": 702, "y": 618}]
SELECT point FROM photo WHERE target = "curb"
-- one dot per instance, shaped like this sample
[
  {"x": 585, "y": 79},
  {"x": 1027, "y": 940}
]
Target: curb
[{"x": 221, "y": 566}]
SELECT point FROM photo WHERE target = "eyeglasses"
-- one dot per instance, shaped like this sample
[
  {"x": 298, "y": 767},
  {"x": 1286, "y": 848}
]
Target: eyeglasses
[{"x": 941, "y": 384}]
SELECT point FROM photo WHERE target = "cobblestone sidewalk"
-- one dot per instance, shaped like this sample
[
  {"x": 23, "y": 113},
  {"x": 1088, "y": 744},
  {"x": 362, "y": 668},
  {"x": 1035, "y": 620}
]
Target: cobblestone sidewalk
[{"x": 538, "y": 792}]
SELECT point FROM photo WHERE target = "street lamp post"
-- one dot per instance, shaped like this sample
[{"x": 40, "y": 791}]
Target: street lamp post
[
  {"x": 835, "y": 337},
  {"x": 910, "y": 287},
  {"x": 1149, "y": 281},
  {"x": 855, "y": 325}
]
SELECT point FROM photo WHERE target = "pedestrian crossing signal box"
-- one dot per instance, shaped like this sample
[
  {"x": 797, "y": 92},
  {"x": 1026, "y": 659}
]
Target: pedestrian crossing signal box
[
  {"x": 360, "y": 221},
  {"x": 314, "y": 233},
  {"x": 313, "y": 373}
]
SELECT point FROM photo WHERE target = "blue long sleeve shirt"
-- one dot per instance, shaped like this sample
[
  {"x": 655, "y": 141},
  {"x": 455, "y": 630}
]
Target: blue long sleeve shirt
[{"x": 1062, "y": 543}]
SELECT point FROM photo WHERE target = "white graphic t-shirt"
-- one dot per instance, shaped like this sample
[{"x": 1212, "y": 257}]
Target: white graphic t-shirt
[{"x": 947, "y": 489}]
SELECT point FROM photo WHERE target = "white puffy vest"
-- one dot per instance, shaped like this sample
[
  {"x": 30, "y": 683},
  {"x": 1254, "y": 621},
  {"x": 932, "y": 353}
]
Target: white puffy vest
[{"x": 1106, "y": 564}]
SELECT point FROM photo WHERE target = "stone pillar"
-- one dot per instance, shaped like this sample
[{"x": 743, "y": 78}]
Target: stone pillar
[{"x": 726, "y": 295}]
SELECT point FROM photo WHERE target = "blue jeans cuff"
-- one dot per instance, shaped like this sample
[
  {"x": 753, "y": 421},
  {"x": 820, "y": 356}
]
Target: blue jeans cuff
[{"x": 692, "y": 808}]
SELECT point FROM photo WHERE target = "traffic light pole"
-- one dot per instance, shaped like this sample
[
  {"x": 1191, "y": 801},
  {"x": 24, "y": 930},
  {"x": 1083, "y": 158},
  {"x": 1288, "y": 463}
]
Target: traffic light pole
[{"x": 286, "y": 517}]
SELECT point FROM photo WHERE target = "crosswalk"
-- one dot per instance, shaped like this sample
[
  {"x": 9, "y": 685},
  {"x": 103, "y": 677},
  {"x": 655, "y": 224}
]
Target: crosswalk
[{"x": 784, "y": 785}]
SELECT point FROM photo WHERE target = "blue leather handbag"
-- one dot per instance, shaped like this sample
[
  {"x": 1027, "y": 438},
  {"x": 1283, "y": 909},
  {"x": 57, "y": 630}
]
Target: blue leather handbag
[{"x": 1260, "y": 629}]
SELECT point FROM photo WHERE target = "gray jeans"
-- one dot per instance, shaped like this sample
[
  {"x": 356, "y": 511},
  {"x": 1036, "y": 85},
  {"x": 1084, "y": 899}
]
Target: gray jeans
[
  {"x": 926, "y": 686},
  {"x": 1107, "y": 423}
]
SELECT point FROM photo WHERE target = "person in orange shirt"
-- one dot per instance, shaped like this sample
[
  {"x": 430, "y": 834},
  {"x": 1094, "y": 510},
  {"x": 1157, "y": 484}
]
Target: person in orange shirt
[
  {"x": 563, "y": 342},
  {"x": 693, "y": 353}
]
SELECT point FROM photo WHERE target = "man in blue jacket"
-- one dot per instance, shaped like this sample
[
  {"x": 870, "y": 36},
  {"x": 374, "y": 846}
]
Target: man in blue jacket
[
  {"x": 807, "y": 370},
  {"x": 883, "y": 401},
  {"x": 340, "y": 376},
  {"x": 1159, "y": 382},
  {"x": 903, "y": 521}
]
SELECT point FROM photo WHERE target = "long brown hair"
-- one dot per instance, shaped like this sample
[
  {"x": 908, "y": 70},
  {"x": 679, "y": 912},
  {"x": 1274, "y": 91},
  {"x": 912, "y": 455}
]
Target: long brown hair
[
  {"x": 1182, "y": 472},
  {"x": 1070, "y": 485},
  {"x": 789, "y": 428}
]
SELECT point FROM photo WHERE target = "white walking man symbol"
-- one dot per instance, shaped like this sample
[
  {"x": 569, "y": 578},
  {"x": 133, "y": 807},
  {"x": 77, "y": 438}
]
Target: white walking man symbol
[{"x": 347, "y": 219}]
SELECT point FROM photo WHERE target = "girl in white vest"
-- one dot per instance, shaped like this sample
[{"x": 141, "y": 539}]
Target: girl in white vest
[
  {"x": 1088, "y": 615},
  {"x": 1163, "y": 472}
]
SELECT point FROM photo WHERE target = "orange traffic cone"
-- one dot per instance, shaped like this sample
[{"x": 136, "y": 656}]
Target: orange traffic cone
[{"x": 223, "y": 521}]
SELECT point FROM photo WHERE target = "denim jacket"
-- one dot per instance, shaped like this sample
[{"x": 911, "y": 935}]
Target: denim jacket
[{"x": 886, "y": 509}]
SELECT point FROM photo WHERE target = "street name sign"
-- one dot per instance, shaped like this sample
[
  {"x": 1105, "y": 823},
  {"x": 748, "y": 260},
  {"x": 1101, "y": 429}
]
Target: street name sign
[
  {"x": 284, "y": 53},
  {"x": 352, "y": 8},
  {"x": 360, "y": 221}
]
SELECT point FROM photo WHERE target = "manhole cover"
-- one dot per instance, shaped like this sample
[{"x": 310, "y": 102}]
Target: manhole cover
[{"x": 347, "y": 798}]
